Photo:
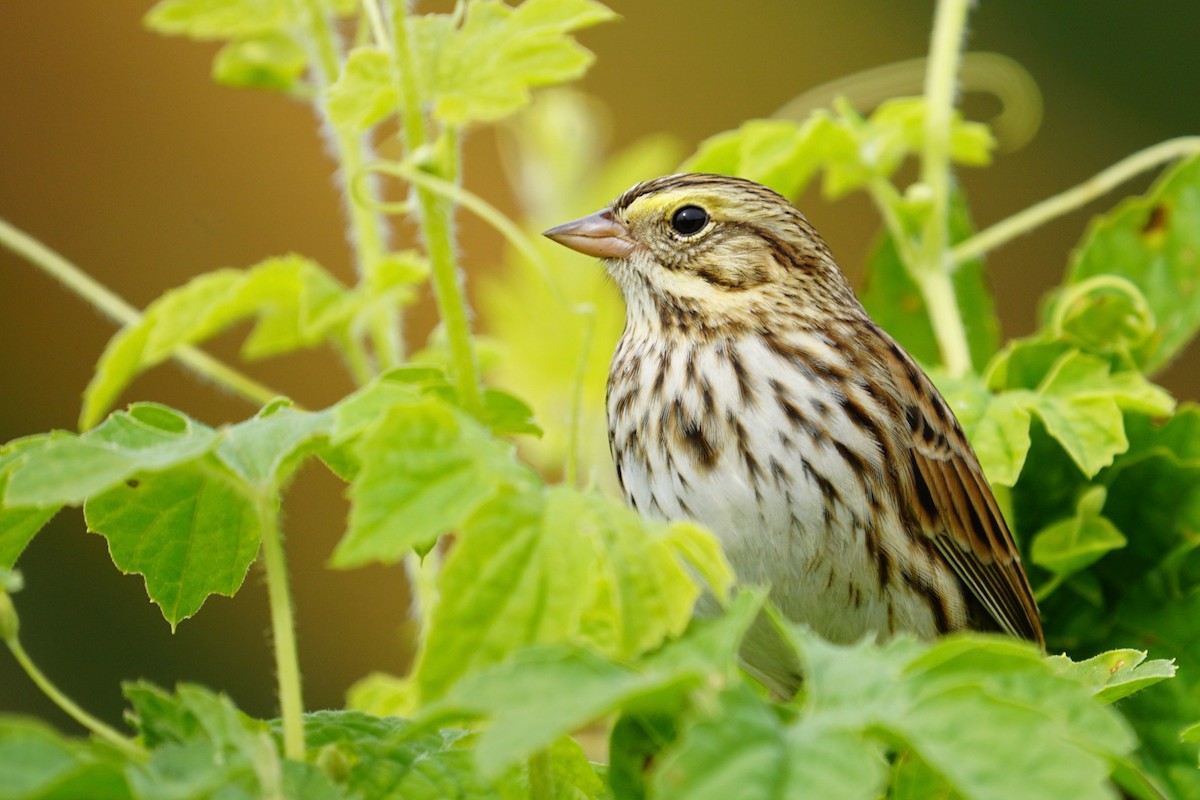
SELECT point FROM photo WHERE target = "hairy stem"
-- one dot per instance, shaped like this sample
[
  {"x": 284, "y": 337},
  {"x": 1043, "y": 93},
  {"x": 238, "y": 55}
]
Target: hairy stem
[
  {"x": 436, "y": 222},
  {"x": 368, "y": 231},
  {"x": 70, "y": 707},
  {"x": 931, "y": 271},
  {"x": 1065, "y": 202},
  {"x": 283, "y": 629},
  {"x": 118, "y": 310}
]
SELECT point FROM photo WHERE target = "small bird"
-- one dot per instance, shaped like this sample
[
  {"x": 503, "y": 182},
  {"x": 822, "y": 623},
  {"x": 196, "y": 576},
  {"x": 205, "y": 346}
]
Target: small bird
[{"x": 752, "y": 393}]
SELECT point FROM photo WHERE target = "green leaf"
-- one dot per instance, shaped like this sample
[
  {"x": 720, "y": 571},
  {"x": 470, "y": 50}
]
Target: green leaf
[
  {"x": 512, "y": 579},
  {"x": 1080, "y": 403},
  {"x": 1102, "y": 314},
  {"x": 741, "y": 748},
  {"x": 894, "y": 301},
  {"x": 218, "y": 19},
  {"x": 1115, "y": 675},
  {"x": 205, "y": 747},
  {"x": 618, "y": 582},
  {"x": 267, "y": 61},
  {"x": 1073, "y": 544},
  {"x": 1154, "y": 242},
  {"x": 38, "y": 764},
  {"x": 296, "y": 303},
  {"x": 364, "y": 92},
  {"x": 484, "y": 70},
  {"x": 191, "y": 531},
  {"x": 851, "y": 150},
  {"x": 545, "y": 691},
  {"x": 426, "y": 468},
  {"x": 66, "y": 470},
  {"x": 390, "y": 757},
  {"x": 19, "y": 525},
  {"x": 265, "y": 450},
  {"x": 997, "y": 425},
  {"x": 947, "y": 703}
]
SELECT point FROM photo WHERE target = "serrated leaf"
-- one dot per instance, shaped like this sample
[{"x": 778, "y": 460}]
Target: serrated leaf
[
  {"x": 19, "y": 525},
  {"x": 218, "y": 19},
  {"x": 850, "y": 150},
  {"x": 364, "y": 92},
  {"x": 191, "y": 531},
  {"x": 66, "y": 470},
  {"x": 203, "y": 746},
  {"x": 948, "y": 701},
  {"x": 295, "y": 302},
  {"x": 545, "y": 691},
  {"x": 38, "y": 764},
  {"x": 426, "y": 468},
  {"x": 273, "y": 61},
  {"x": 741, "y": 748},
  {"x": 1072, "y": 544},
  {"x": 1154, "y": 242},
  {"x": 485, "y": 69},
  {"x": 1080, "y": 402},
  {"x": 390, "y": 757},
  {"x": 264, "y": 450},
  {"x": 997, "y": 425},
  {"x": 1115, "y": 675}
]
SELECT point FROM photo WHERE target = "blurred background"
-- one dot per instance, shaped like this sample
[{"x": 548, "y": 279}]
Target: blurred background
[{"x": 118, "y": 151}]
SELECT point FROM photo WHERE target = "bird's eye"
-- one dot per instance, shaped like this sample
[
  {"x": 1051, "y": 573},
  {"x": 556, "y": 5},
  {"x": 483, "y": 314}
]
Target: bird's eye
[{"x": 689, "y": 220}]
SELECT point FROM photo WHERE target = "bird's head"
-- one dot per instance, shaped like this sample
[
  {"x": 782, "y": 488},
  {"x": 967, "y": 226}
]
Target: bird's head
[{"x": 709, "y": 250}]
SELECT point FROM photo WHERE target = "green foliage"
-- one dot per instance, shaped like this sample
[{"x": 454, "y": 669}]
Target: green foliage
[{"x": 545, "y": 607}]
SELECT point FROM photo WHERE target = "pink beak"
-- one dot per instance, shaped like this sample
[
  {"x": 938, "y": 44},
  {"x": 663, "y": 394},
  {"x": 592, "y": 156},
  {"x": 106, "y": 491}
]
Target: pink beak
[{"x": 596, "y": 235}]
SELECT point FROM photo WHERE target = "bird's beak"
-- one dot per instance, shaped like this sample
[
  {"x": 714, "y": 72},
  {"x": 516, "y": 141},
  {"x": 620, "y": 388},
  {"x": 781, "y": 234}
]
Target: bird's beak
[{"x": 596, "y": 235}]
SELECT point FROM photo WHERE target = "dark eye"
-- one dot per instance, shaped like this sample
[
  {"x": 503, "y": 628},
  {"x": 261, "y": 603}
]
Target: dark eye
[{"x": 689, "y": 219}]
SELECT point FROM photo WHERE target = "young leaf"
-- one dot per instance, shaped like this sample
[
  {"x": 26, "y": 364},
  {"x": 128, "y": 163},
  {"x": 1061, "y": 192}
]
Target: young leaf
[
  {"x": 192, "y": 531},
  {"x": 484, "y": 70},
  {"x": 1072, "y": 544},
  {"x": 273, "y": 61},
  {"x": 997, "y": 425},
  {"x": 850, "y": 149},
  {"x": 1115, "y": 675},
  {"x": 264, "y": 450},
  {"x": 297, "y": 304},
  {"x": 219, "y": 19},
  {"x": 426, "y": 467},
  {"x": 1152, "y": 241},
  {"x": 364, "y": 92},
  {"x": 1080, "y": 402}
]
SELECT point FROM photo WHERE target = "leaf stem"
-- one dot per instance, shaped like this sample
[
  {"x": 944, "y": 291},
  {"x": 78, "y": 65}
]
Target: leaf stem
[
  {"x": 436, "y": 222},
  {"x": 118, "y": 310},
  {"x": 123, "y": 743},
  {"x": 1065, "y": 202},
  {"x": 931, "y": 270},
  {"x": 283, "y": 627},
  {"x": 368, "y": 232}
]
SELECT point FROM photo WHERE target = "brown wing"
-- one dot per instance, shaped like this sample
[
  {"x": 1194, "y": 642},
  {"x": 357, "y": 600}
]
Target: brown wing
[{"x": 956, "y": 507}]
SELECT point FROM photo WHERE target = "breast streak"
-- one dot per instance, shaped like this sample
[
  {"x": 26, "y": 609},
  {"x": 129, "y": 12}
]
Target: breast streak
[{"x": 788, "y": 507}]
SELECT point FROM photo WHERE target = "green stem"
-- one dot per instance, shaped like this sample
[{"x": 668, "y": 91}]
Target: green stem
[
  {"x": 931, "y": 272},
  {"x": 368, "y": 234},
  {"x": 1052, "y": 207},
  {"x": 283, "y": 628},
  {"x": 117, "y": 309},
  {"x": 436, "y": 224},
  {"x": 123, "y": 743}
]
